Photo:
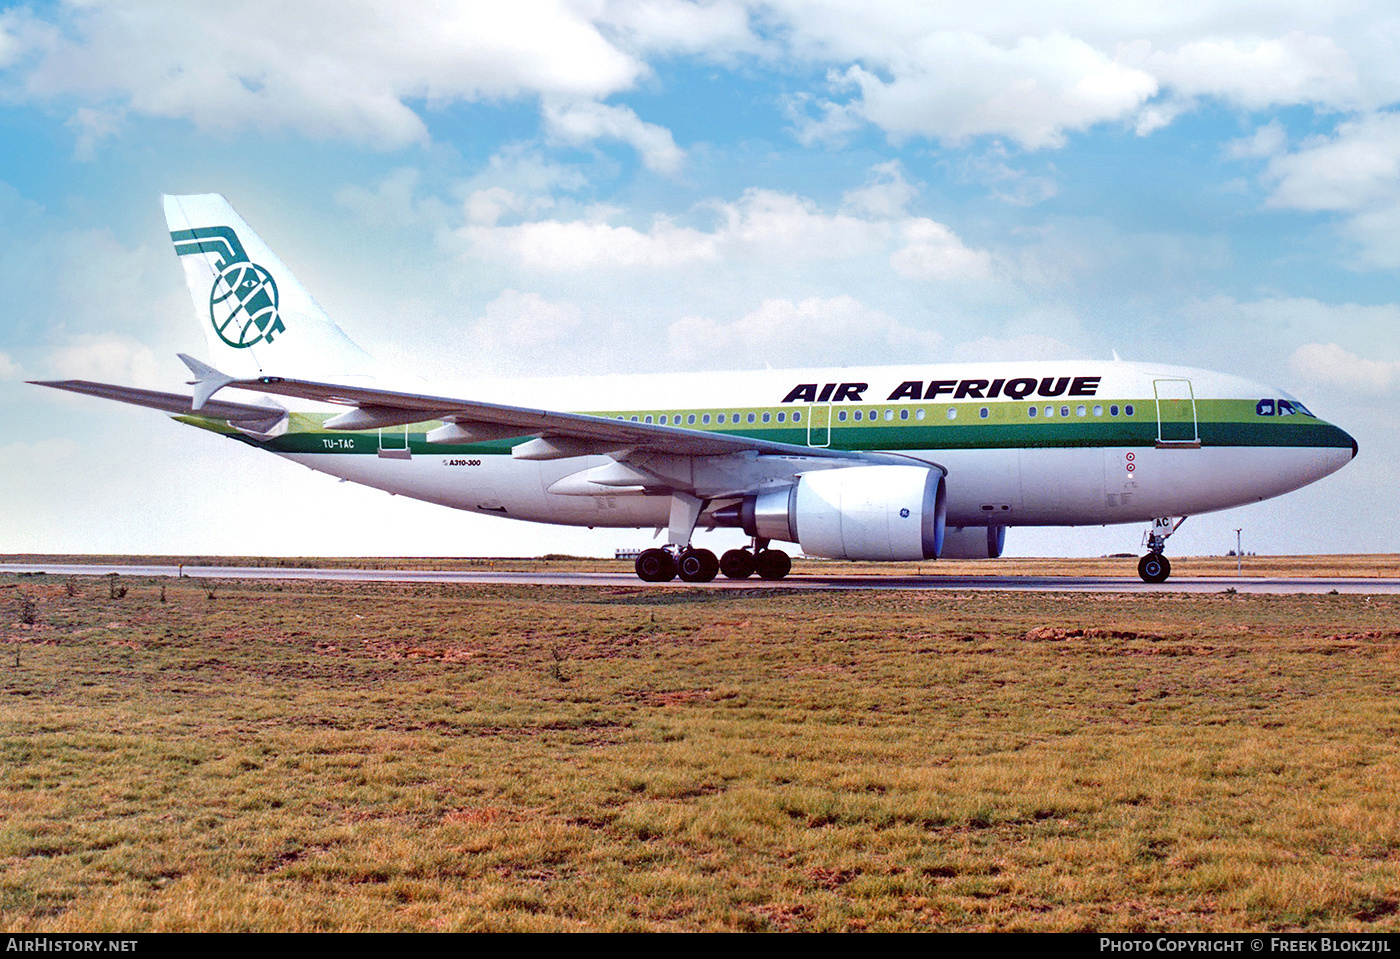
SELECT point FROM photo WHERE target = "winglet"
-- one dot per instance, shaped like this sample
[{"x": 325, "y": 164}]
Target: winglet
[{"x": 209, "y": 381}]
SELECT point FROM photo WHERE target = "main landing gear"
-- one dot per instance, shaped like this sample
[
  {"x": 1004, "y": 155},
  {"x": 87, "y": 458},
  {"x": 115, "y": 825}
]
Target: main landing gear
[
  {"x": 692, "y": 565},
  {"x": 700, "y": 566},
  {"x": 1154, "y": 567},
  {"x": 767, "y": 563},
  {"x": 679, "y": 558}
]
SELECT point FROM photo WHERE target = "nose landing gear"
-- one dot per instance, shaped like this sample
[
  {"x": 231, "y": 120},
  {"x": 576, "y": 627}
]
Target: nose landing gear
[{"x": 1154, "y": 567}]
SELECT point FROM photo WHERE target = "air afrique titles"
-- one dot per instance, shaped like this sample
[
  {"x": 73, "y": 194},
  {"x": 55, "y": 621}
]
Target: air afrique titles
[{"x": 1016, "y": 388}]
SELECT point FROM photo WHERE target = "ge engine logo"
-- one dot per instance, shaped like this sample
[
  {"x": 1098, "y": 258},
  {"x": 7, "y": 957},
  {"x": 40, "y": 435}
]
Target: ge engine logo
[{"x": 243, "y": 305}]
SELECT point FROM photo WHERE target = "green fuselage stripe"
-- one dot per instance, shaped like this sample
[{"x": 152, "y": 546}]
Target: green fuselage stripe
[{"x": 1227, "y": 423}]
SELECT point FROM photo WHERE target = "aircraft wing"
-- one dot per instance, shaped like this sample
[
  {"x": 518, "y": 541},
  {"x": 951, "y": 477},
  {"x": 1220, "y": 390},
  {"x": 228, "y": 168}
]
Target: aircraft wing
[{"x": 558, "y": 434}]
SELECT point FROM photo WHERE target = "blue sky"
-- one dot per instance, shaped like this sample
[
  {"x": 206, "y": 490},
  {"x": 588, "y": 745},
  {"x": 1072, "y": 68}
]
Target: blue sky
[{"x": 618, "y": 185}]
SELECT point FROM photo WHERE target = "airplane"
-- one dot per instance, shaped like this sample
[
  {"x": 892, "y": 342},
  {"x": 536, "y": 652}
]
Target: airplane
[{"x": 899, "y": 463}]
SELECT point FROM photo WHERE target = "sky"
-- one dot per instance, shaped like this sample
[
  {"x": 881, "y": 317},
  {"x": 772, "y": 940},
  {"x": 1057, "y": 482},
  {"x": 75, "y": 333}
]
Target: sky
[{"x": 546, "y": 186}]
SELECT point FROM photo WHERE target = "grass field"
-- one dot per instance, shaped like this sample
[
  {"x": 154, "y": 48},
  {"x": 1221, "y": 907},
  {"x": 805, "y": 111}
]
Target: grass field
[
  {"x": 1346, "y": 565},
  {"x": 228, "y": 756}
]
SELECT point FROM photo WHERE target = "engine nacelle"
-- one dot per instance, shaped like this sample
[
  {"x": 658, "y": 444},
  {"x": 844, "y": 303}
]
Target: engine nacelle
[
  {"x": 856, "y": 512},
  {"x": 973, "y": 542}
]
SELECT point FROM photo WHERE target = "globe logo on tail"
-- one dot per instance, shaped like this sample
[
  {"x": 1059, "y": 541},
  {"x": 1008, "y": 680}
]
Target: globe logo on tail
[
  {"x": 243, "y": 298},
  {"x": 243, "y": 305}
]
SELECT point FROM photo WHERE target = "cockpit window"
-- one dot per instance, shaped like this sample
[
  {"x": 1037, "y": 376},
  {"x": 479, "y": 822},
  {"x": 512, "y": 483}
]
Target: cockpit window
[{"x": 1281, "y": 407}]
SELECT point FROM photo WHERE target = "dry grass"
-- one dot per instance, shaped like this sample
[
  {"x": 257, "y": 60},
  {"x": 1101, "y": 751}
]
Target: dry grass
[
  {"x": 325, "y": 756},
  {"x": 1362, "y": 565}
]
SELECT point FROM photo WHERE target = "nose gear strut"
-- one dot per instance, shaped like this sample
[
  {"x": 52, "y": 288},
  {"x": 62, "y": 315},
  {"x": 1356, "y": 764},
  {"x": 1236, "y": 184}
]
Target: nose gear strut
[{"x": 1154, "y": 567}]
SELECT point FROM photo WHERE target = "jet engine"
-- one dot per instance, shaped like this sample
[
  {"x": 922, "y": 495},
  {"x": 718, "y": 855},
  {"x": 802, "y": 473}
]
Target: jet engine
[
  {"x": 973, "y": 542},
  {"x": 857, "y": 512}
]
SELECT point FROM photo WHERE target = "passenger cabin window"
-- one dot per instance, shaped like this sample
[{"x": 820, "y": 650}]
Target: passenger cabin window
[
  {"x": 766, "y": 417},
  {"x": 648, "y": 419},
  {"x": 952, "y": 412},
  {"x": 796, "y": 416},
  {"x": 1098, "y": 410},
  {"x": 751, "y": 417},
  {"x": 705, "y": 419},
  {"x": 841, "y": 416},
  {"x": 889, "y": 415},
  {"x": 783, "y": 416},
  {"x": 690, "y": 419},
  {"x": 918, "y": 414},
  {"x": 1128, "y": 410},
  {"x": 1031, "y": 412},
  {"x": 983, "y": 412},
  {"x": 1113, "y": 410},
  {"x": 719, "y": 418}
]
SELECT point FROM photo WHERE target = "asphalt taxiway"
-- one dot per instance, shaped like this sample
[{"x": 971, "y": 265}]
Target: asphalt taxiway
[{"x": 798, "y": 580}]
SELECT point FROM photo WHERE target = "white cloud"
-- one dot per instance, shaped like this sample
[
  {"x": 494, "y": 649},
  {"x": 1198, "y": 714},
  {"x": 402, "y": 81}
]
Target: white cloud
[
  {"x": 549, "y": 245},
  {"x": 1355, "y": 172},
  {"x": 1254, "y": 73},
  {"x": 1004, "y": 182},
  {"x": 583, "y": 121},
  {"x": 358, "y": 69},
  {"x": 394, "y": 202},
  {"x": 1027, "y": 346},
  {"x": 324, "y": 68},
  {"x": 1034, "y": 91},
  {"x": 1331, "y": 365},
  {"x": 1034, "y": 74},
  {"x": 108, "y": 358},
  {"x": 1347, "y": 172},
  {"x": 1268, "y": 140},
  {"x": 762, "y": 226},
  {"x": 9, "y": 369},
  {"x": 719, "y": 28},
  {"x": 527, "y": 323},
  {"x": 931, "y": 251},
  {"x": 884, "y": 196},
  {"x": 808, "y": 333},
  {"x": 92, "y": 126}
]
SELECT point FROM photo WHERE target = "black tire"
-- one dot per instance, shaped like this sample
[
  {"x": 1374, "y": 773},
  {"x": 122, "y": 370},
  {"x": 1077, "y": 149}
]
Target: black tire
[
  {"x": 697, "y": 566},
  {"x": 1154, "y": 568},
  {"x": 656, "y": 566},
  {"x": 772, "y": 564},
  {"x": 737, "y": 564}
]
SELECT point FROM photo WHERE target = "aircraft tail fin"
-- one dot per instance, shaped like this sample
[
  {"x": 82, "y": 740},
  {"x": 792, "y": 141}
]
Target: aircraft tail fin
[{"x": 256, "y": 315}]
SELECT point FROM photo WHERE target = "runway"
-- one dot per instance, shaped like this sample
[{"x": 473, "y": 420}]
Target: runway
[{"x": 798, "y": 580}]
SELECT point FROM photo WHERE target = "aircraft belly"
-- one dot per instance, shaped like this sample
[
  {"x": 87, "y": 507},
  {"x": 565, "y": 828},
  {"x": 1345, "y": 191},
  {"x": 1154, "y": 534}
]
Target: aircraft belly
[
  {"x": 1183, "y": 482},
  {"x": 1062, "y": 485},
  {"x": 983, "y": 486},
  {"x": 1055, "y": 487},
  {"x": 493, "y": 485}
]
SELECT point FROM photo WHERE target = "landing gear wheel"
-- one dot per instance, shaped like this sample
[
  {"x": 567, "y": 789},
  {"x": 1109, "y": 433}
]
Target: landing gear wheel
[
  {"x": 1154, "y": 568},
  {"x": 772, "y": 564},
  {"x": 737, "y": 564},
  {"x": 656, "y": 566},
  {"x": 697, "y": 566}
]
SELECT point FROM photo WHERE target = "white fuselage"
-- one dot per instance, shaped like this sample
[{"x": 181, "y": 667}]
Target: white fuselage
[{"x": 1070, "y": 463}]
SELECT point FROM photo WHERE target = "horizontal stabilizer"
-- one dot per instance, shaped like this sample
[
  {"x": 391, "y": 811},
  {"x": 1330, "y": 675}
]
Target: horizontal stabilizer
[{"x": 250, "y": 416}]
